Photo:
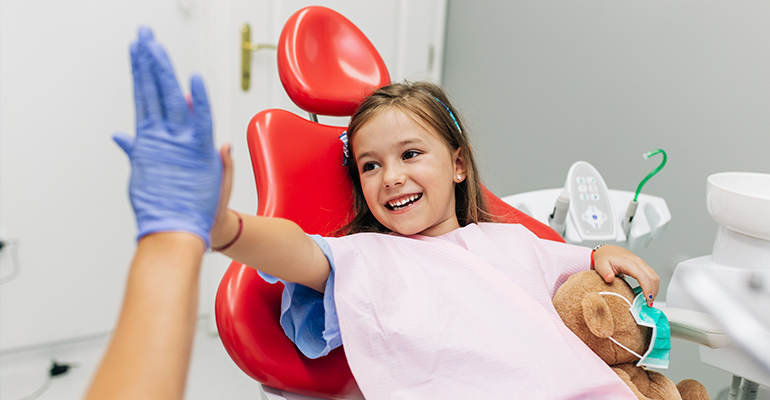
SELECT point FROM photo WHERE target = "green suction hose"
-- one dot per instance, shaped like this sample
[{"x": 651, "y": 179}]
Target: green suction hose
[{"x": 655, "y": 171}]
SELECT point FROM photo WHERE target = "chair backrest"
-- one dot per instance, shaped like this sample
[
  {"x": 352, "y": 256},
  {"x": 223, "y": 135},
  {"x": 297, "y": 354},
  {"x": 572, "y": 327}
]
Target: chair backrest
[
  {"x": 301, "y": 179},
  {"x": 326, "y": 64},
  {"x": 299, "y": 176}
]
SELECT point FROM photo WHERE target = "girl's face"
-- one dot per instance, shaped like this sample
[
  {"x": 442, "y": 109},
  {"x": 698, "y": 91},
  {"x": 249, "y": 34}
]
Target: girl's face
[{"x": 408, "y": 174}]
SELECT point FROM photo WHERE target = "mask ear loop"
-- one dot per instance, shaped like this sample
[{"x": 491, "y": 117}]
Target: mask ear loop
[
  {"x": 625, "y": 348},
  {"x": 618, "y": 295},
  {"x": 612, "y": 338}
]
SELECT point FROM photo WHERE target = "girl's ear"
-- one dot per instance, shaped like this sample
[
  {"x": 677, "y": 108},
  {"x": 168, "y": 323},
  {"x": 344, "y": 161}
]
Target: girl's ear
[{"x": 459, "y": 161}]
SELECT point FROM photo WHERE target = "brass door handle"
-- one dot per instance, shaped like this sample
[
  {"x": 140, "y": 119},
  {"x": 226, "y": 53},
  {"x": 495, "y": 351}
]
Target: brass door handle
[{"x": 246, "y": 48}]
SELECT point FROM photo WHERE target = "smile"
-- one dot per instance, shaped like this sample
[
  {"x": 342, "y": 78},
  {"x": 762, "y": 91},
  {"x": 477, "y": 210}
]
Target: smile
[{"x": 403, "y": 202}]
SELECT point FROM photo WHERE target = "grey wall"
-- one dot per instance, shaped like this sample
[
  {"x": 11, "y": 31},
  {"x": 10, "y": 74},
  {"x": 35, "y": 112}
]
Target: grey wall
[{"x": 545, "y": 83}]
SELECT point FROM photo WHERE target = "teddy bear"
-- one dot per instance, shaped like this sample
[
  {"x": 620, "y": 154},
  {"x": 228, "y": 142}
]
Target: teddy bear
[{"x": 595, "y": 317}]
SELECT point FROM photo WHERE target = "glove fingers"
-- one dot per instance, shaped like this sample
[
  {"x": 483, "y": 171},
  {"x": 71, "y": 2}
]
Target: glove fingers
[
  {"x": 172, "y": 100},
  {"x": 201, "y": 112},
  {"x": 139, "y": 102},
  {"x": 143, "y": 80},
  {"x": 125, "y": 142},
  {"x": 145, "y": 33}
]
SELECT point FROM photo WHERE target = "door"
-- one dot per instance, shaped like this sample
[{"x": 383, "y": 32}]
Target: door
[
  {"x": 409, "y": 35},
  {"x": 65, "y": 87}
]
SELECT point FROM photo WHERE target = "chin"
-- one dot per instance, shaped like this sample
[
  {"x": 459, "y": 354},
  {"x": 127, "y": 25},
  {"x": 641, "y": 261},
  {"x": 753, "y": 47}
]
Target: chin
[
  {"x": 412, "y": 231},
  {"x": 405, "y": 231}
]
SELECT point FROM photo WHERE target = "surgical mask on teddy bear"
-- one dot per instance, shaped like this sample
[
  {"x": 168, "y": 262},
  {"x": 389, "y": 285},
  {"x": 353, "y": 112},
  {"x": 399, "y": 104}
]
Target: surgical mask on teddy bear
[{"x": 657, "y": 354}]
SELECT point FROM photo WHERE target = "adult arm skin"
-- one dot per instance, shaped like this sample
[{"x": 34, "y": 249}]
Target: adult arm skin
[{"x": 149, "y": 353}]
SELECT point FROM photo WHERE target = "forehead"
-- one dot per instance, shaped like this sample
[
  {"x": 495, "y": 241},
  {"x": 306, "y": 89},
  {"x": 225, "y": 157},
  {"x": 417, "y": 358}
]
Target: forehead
[{"x": 391, "y": 127}]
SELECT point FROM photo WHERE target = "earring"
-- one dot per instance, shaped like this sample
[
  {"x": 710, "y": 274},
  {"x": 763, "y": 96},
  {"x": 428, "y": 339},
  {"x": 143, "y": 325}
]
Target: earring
[{"x": 459, "y": 178}]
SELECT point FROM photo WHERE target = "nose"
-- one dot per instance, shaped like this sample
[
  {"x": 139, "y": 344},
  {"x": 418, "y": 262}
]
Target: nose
[{"x": 393, "y": 176}]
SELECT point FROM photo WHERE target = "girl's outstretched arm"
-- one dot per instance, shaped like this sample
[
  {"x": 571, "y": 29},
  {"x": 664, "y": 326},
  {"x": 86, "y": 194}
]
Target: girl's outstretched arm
[{"x": 275, "y": 246}]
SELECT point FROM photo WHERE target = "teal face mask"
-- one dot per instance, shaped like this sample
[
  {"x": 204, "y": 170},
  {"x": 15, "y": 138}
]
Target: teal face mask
[{"x": 657, "y": 354}]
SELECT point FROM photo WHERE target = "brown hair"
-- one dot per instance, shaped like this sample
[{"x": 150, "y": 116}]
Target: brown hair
[{"x": 429, "y": 104}]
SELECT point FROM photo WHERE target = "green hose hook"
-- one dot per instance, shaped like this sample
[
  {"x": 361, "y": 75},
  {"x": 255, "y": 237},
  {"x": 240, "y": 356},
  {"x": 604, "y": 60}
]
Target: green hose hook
[{"x": 655, "y": 171}]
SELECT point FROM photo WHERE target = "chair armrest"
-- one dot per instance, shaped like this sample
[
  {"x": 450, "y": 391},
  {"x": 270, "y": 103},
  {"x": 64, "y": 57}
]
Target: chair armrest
[{"x": 696, "y": 327}]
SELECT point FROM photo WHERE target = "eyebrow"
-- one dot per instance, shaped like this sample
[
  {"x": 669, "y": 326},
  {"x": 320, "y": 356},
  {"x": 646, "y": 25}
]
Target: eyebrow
[{"x": 402, "y": 143}]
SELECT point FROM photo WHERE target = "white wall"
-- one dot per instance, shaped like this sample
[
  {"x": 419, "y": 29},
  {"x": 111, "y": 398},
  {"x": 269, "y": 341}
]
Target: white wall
[
  {"x": 547, "y": 83},
  {"x": 65, "y": 88}
]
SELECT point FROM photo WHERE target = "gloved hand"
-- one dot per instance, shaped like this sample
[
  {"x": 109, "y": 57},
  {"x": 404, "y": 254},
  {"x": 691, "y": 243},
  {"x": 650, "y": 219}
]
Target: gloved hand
[{"x": 176, "y": 172}]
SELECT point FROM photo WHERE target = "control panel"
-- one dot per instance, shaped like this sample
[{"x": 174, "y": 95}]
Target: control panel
[{"x": 590, "y": 207}]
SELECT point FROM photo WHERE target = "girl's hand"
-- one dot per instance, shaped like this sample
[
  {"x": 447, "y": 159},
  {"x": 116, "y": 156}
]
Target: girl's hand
[
  {"x": 225, "y": 223},
  {"x": 610, "y": 261}
]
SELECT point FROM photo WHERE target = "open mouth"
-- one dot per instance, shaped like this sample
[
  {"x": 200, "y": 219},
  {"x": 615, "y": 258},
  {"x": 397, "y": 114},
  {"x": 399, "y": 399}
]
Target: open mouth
[{"x": 403, "y": 202}]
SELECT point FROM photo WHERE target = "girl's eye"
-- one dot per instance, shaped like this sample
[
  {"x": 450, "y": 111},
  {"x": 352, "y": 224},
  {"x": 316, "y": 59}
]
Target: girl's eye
[
  {"x": 410, "y": 154},
  {"x": 369, "y": 166}
]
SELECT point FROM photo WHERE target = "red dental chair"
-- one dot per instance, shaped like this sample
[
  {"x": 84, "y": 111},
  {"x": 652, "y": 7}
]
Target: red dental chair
[{"x": 299, "y": 176}]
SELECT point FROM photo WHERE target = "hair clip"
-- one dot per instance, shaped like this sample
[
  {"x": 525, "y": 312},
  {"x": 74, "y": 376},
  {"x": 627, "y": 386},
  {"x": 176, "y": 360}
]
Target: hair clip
[
  {"x": 450, "y": 114},
  {"x": 345, "y": 154}
]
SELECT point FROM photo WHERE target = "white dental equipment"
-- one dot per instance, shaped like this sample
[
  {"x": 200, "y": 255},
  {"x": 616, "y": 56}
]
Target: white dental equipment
[
  {"x": 733, "y": 282},
  {"x": 587, "y": 213}
]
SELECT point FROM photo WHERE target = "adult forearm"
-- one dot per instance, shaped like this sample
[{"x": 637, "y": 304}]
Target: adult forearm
[{"x": 149, "y": 353}]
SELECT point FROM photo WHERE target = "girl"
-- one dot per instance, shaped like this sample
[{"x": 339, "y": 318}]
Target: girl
[
  {"x": 410, "y": 291},
  {"x": 431, "y": 297}
]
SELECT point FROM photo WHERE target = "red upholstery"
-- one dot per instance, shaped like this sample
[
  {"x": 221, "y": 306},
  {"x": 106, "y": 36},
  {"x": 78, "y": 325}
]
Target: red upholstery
[
  {"x": 326, "y": 64},
  {"x": 301, "y": 179},
  {"x": 299, "y": 176}
]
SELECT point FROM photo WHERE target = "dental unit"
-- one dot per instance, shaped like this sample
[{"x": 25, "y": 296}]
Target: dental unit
[
  {"x": 584, "y": 210},
  {"x": 733, "y": 283}
]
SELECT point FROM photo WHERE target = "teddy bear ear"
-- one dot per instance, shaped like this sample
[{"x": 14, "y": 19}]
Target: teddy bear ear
[{"x": 597, "y": 315}]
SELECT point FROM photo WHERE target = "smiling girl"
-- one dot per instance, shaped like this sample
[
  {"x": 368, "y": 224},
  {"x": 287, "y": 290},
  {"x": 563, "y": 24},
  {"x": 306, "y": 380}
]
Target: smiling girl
[{"x": 430, "y": 296}]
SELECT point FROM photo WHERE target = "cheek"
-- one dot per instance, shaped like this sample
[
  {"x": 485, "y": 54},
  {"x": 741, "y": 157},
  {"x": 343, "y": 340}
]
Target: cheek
[{"x": 369, "y": 191}]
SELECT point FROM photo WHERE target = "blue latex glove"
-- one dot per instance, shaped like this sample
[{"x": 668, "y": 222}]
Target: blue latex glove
[{"x": 176, "y": 172}]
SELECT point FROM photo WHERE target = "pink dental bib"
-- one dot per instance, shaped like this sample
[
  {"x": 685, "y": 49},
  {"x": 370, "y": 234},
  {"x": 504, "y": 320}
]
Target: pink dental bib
[{"x": 464, "y": 315}]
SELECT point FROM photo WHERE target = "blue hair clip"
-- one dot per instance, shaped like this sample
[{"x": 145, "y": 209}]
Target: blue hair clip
[
  {"x": 345, "y": 154},
  {"x": 450, "y": 114}
]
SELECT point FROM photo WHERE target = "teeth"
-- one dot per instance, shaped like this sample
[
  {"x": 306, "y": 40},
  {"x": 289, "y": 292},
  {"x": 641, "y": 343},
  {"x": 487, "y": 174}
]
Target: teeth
[{"x": 404, "y": 201}]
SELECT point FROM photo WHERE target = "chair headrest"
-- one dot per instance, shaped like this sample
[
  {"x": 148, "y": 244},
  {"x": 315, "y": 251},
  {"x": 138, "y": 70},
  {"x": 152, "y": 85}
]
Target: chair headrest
[{"x": 326, "y": 64}]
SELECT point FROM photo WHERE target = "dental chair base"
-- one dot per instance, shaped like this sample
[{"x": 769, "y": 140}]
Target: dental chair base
[{"x": 269, "y": 393}]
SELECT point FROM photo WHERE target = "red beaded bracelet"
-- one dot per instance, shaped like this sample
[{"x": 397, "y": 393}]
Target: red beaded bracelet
[
  {"x": 237, "y": 235},
  {"x": 594, "y": 251}
]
